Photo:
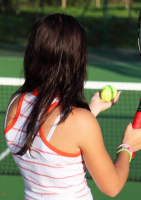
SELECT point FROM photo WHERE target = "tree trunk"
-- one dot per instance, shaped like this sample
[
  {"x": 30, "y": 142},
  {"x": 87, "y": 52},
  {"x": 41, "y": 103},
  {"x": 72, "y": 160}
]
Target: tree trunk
[
  {"x": 97, "y": 3},
  {"x": 64, "y": 3},
  {"x": 37, "y": 10},
  {"x": 18, "y": 7},
  {"x": 127, "y": 4},
  {"x": 6, "y": 5}
]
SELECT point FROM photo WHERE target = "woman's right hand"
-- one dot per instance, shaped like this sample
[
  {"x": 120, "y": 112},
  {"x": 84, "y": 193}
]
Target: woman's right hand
[
  {"x": 132, "y": 137},
  {"x": 97, "y": 105}
]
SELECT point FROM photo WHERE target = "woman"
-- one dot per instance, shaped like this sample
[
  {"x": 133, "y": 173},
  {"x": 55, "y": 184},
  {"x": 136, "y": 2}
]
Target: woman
[{"x": 50, "y": 130}]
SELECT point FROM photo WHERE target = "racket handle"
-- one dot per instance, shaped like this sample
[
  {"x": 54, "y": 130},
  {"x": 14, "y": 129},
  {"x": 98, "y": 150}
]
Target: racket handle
[{"x": 137, "y": 120}]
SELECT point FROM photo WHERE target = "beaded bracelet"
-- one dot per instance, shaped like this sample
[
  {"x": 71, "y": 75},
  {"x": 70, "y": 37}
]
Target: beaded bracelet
[{"x": 127, "y": 148}]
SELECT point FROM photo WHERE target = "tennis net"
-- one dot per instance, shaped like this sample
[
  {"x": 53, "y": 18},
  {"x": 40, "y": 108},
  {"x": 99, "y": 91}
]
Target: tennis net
[{"x": 112, "y": 121}]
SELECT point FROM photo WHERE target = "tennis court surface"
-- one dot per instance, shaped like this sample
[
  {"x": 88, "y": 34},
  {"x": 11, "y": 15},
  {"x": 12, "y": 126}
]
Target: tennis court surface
[{"x": 112, "y": 122}]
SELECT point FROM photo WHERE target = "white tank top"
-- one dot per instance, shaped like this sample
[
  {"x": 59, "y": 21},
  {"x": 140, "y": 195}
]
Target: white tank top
[{"x": 48, "y": 173}]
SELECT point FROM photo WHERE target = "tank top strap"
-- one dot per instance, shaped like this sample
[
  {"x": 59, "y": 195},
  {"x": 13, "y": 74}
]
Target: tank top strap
[{"x": 53, "y": 127}]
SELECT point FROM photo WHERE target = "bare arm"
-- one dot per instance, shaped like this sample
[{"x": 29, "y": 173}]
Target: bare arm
[
  {"x": 109, "y": 177},
  {"x": 97, "y": 105}
]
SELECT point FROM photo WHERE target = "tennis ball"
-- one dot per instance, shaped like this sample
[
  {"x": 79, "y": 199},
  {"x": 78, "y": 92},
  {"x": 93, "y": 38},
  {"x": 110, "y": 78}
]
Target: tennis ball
[{"x": 108, "y": 93}]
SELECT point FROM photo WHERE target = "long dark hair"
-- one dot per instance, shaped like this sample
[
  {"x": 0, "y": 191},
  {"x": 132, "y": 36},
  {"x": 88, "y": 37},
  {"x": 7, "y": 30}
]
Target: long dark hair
[{"x": 55, "y": 62}]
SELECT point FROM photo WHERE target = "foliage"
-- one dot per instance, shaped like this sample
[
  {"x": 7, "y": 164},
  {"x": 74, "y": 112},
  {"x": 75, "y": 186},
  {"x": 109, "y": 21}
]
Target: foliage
[
  {"x": 12, "y": 4},
  {"x": 111, "y": 27}
]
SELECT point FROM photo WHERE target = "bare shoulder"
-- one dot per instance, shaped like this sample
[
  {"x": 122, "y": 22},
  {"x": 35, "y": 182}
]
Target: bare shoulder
[
  {"x": 84, "y": 125},
  {"x": 82, "y": 114},
  {"x": 86, "y": 129},
  {"x": 15, "y": 103},
  {"x": 83, "y": 118},
  {"x": 13, "y": 109}
]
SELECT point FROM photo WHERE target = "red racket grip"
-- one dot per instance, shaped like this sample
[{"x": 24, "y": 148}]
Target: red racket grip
[
  {"x": 136, "y": 123},
  {"x": 137, "y": 120}
]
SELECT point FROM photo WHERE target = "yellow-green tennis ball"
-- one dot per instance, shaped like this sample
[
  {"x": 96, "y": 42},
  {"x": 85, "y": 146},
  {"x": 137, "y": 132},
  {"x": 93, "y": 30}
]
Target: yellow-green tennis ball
[{"x": 108, "y": 93}]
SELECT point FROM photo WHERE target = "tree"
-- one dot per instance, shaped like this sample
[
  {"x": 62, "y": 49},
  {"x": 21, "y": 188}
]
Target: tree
[
  {"x": 97, "y": 3},
  {"x": 128, "y": 4},
  {"x": 6, "y": 5},
  {"x": 64, "y": 3},
  {"x": 37, "y": 7},
  {"x": 17, "y": 7}
]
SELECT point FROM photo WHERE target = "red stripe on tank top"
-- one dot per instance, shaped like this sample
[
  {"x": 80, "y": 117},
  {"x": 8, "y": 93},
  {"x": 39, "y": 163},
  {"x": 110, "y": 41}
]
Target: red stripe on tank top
[
  {"x": 51, "y": 177},
  {"x": 29, "y": 102},
  {"x": 44, "y": 186},
  {"x": 83, "y": 195},
  {"x": 53, "y": 193},
  {"x": 36, "y": 163}
]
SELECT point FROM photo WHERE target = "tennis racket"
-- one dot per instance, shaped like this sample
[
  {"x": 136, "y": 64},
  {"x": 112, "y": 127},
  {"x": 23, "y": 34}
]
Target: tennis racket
[{"x": 137, "y": 119}]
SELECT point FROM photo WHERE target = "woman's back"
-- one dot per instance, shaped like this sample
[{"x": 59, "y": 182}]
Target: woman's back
[
  {"x": 54, "y": 167},
  {"x": 52, "y": 157}
]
